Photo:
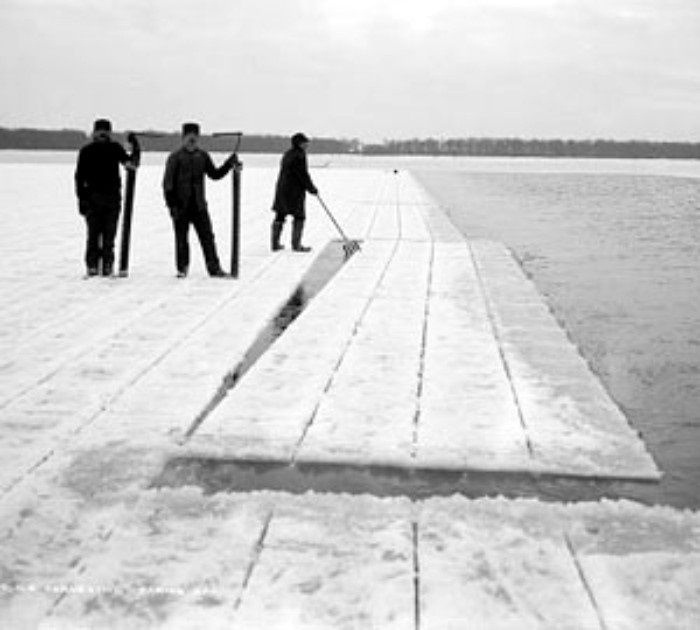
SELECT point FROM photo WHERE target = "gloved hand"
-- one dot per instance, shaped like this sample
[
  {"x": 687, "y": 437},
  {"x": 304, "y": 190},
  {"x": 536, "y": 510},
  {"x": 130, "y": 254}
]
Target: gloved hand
[{"x": 135, "y": 156}]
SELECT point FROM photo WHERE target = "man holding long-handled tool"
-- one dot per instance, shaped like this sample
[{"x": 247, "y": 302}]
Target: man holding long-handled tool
[
  {"x": 293, "y": 183},
  {"x": 350, "y": 247},
  {"x": 183, "y": 187},
  {"x": 236, "y": 201},
  {"x": 133, "y": 140},
  {"x": 98, "y": 188}
]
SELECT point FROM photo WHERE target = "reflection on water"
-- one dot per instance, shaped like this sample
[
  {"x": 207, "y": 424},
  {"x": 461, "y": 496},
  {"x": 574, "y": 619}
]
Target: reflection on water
[{"x": 618, "y": 259}]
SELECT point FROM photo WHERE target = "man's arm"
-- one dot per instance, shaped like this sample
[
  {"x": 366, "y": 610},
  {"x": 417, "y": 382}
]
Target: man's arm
[
  {"x": 122, "y": 156},
  {"x": 301, "y": 171},
  {"x": 169, "y": 181},
  {"x": 81, "y": 184},
  {"x": 79, "y": 175},
  {"x": 133, "y": 159},
  {"x": 218, "y": 173}
]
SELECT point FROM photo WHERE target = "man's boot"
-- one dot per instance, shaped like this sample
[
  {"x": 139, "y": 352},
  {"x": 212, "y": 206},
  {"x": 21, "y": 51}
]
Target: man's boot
[
  {"x": 276, "y": 234},
  {"x": 297, "y": 231}
]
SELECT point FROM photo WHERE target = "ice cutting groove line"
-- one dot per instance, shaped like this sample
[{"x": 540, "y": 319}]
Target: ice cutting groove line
[
  {"x": 255, "y": 558},
  {"x": 584, "y": 582},
  {"x": 356, "y": 327},
  {"x": 6, "y": 489},
  {"x": 344, "y": 352},
  {"x": 89, "y": 347},
  {"x": 441, "y": 209},
  {"x": 416, "y": 576},
  {"x": 602, "y": 382},
  {"x": 104, "y": 406},
  {"x": 68, "y": 315},
  {"x": 421, "y": 362},
  {"x": 397, "y": 194},
  {"x": 423, "y": 215},
  {"x": 376, "y": 203},
  {"x": 499, "y": 344},
  {"x": 241, "y": 290}
]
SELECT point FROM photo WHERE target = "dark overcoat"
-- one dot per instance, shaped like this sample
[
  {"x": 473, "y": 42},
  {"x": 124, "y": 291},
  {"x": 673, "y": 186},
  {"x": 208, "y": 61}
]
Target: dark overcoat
[
  {"x": 183, "y": 181},
  {"x": 97, "y": 178},
  {"x": 293, "y": 183}
]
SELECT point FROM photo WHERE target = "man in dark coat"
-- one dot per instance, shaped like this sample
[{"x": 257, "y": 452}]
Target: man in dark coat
[
  {"x": 98, "y": 188},
  {"x": 293, "y": 183},
  {"x": 183, "y": 186}
]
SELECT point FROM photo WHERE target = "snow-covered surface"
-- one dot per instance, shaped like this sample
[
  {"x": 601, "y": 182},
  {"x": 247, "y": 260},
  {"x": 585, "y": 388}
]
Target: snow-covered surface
[
  {"x": 464, "y": 382},
  {"x": 429, "y": 353},
  {"x": 100, "y": 380},
  {"x": 118, "y": 554},
  {"x": 571, "y": 422},
  {"x": 144, "y": 354}
]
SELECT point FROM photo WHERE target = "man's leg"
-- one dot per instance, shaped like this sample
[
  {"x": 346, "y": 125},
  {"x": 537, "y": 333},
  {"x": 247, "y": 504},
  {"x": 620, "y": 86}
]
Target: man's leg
[
  {"x": 92, "y": 246},
  {"x": 297, "y": 232},
  {"x": 181, "y": 227},
  {"x": 110, "y": 221},
  {"x": 276, "y": 232},
  {"x": 202, "y": 225}
]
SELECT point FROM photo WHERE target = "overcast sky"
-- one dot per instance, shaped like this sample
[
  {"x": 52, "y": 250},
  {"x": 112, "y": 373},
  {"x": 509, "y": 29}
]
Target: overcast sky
[{"x": 371, "y": 69}]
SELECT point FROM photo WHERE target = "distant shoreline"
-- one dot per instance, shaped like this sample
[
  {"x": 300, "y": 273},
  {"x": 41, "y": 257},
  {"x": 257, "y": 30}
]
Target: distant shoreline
[{"x": 72, "y": 140}]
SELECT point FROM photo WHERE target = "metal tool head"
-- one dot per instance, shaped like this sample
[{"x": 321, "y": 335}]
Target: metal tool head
[{"x": 350, "y": 248}]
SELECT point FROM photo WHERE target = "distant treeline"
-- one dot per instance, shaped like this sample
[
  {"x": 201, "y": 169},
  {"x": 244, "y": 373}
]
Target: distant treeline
[
  {"x": 515, "y": 147},
  {"x": 70, "y": 139}
]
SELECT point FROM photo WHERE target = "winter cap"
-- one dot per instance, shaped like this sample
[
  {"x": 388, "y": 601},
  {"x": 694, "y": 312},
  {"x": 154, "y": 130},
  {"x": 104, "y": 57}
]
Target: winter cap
[
  {"x": 102, "y": 124},
  {"x": 299, "y": 138},
  {"x": 190, "y": 127}
]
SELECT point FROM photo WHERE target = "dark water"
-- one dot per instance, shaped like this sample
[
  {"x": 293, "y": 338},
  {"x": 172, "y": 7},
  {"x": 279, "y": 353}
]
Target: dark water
[
  {"x": 618, "y": 258},
  {"x": 221, "y": 475}
]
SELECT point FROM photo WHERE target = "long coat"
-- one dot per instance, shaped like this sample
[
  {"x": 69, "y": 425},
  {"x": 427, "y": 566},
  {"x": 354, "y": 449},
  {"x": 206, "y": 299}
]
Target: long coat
[
  {"x": 97, "y": 175},
  {"x": 293, "y": 183},
  {"x": 183, "y": 181}
]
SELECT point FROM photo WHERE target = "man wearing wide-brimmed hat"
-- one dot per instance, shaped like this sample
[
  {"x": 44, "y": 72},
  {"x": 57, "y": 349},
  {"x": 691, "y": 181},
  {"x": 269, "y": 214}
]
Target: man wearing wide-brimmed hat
[
  {"x": 293, "y": 183},
  {"x": 183, "y": 186},
  {"x": 98, "y": 187}
]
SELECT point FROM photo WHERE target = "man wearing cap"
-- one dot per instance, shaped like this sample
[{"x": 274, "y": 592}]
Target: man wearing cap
[
  {"x": 98, "y": 188},
  {"x": 293, "y": 183},
  {"x": 183, "y": 186}
]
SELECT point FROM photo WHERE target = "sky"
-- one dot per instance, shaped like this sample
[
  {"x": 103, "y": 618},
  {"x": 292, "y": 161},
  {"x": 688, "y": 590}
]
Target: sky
[{"x": 367, "y": 69}]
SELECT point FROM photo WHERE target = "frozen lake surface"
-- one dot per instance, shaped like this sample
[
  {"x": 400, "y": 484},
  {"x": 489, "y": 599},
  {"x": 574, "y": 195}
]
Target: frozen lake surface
[
  {"x": 612, "y": 244},
  {"x": 104, "y": 378}
]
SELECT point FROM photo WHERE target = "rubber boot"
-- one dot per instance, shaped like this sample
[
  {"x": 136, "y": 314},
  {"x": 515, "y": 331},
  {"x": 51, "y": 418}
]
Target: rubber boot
[
  {"x": 275, "y": 235},
  {"x": 297, "y": 231}
]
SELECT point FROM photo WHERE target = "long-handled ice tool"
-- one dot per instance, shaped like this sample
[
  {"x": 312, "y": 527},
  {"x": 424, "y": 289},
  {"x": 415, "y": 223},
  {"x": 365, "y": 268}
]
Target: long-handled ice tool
[
  {"x": 349, "y": 246},
  {"x": 235, "y": 200},
  {"x": 135, "y": 160}
]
